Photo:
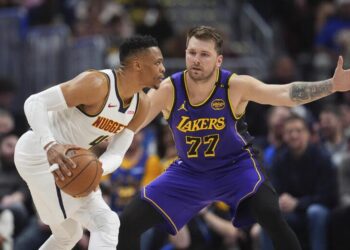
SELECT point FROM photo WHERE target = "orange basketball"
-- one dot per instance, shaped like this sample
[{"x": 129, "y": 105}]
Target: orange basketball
[{"x": 85, "y": 177}]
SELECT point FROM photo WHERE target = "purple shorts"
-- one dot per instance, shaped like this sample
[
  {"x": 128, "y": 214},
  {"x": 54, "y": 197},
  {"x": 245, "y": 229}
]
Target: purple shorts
[{"x": 180, "y": 193}]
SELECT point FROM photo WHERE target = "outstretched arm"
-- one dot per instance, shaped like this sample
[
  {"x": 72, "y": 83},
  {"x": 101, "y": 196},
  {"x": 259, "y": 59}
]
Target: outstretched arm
[
  {"x": 292, "y": 94},
  {"x": 160, "y": 100}
]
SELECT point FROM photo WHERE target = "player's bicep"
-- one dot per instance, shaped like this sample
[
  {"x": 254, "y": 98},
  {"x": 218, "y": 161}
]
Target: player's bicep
[
  {"x": 162, "y": 98},
  {"x": 252, "y": 89},
  {"x": 87, "y": 88}
]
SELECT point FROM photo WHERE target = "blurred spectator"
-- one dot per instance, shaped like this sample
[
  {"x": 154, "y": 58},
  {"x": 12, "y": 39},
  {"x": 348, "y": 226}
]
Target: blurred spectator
[
  {"x": 293, "y": 20},
  {"x": 155, "y": 22},
  {"x": 332, "y": 133},
  {"x": 333, "y": 39},
  {"x": 41, "y": 12},
  {"x": 33, "y": 236},
  {"x": 14, "y": 194},
  {"x": 275, "y": 120},
  {"x": 305, "y": 198},
  {"x": 324, "y": 10},
  {"x": 137, "y": 169},
  {"x": 6, "y": 229},
  {"x": 103, "y": 17},
  {"x": 211, "y": 229},
  {"x": 8, "y": 92},
  {"x": 345, "y": 118},
  {"x": 166, "y": 145},
  {"x": 340, "y": 219},
  {"x": 7, "y": 123},
  {"x": 36, "y": 233},
  {"x": 283, "y": 70},
  {"x": 88, "y": 18},
  {"x": 333, "y": 36},
  {"x": 9, "y": 3}
]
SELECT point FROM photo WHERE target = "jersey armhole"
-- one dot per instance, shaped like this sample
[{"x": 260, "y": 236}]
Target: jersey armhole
[{"x": 235, "y": 117}]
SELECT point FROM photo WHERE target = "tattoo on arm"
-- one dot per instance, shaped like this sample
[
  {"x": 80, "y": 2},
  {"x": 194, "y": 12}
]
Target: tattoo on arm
[{"x": 304, "y": 92}]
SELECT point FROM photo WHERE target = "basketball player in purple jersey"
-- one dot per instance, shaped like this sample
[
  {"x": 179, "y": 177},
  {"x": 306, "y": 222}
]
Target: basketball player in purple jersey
[{"x": 204, "y": 106}]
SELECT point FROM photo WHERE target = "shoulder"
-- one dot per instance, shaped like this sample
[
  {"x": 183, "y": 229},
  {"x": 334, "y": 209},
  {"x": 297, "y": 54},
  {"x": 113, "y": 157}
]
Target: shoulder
[
  {"x": 96, "y": 79},
  {"x": 319, "y": 153},
  {"x": 240, "y": 79},
  {"x": 91, "y": 80},
  {"x": 87, "y": 88}
]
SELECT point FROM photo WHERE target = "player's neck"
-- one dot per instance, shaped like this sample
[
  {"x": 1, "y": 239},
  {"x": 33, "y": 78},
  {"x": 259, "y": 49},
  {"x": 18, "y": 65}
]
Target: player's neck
[
  {"x": 209, "y": 81},
  {"x": 126, "y": 83},
  {"x": 200, "y": 87}
]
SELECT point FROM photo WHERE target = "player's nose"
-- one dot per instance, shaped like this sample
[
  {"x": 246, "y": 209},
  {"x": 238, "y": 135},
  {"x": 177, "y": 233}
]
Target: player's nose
[{"x": 162, "y": 68}]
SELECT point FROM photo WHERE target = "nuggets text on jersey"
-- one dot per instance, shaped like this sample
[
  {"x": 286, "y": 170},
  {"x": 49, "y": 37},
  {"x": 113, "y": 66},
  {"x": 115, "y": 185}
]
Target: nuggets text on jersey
[{"x": 108, "y": 125}]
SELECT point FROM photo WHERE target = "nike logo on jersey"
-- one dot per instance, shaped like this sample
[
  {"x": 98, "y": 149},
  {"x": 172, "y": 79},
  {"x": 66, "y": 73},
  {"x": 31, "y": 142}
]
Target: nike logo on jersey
[
  {"x": 111, "y": 105},
  {"x": 183, "y": 107},
  {"x": 130, "y": 112}
]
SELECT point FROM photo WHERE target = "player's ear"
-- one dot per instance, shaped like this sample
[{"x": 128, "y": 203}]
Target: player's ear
[
  {"x": 137, "y": 64},
  {"x": 219, "y": 60}
]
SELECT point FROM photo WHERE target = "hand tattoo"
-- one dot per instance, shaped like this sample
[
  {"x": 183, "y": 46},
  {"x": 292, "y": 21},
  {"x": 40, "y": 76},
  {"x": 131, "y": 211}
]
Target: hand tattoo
[{"x": 304, "y": 92}]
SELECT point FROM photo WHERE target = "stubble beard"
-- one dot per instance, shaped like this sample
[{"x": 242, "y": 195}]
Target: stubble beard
[{"x": 201, "y": 77}]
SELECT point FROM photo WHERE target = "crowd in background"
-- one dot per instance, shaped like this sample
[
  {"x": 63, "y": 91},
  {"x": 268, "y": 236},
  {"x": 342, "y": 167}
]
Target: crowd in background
[{"x": 305, "y": 150}]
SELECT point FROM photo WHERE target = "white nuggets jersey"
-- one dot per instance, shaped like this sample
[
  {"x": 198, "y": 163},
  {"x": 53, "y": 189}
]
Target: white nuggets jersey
[{"x": 73, "y": 126}]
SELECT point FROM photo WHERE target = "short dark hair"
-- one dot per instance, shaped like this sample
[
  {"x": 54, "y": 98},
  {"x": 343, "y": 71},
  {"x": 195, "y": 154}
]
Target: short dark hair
[
  {"x": 206, "y": 33},
  {"x": 333, "y": 109},
  {"x": 295, "y": 117},
  {"x": 134, "y": 45}
]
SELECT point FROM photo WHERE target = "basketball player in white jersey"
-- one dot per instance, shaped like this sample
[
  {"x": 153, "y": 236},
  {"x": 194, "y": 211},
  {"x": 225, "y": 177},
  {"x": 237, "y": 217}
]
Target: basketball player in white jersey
[{"x": 82, "y": 112}]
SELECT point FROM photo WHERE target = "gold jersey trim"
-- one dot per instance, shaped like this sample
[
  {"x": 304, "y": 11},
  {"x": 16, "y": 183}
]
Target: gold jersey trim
[
  {"x": 160, "y": 209},
  {"x": 218, "y": 76}
]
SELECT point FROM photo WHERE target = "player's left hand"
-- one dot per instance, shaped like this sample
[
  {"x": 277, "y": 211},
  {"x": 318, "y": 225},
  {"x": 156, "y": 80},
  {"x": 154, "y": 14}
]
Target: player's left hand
[{"x": 341, "y": 77}]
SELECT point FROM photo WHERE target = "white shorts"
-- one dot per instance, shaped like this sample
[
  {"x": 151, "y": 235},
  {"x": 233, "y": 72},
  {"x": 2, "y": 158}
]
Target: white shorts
[{"x": 53, "y": 205}]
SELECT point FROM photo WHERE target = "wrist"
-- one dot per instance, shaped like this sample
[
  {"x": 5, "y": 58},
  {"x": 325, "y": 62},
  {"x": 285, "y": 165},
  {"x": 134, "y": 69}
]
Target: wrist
[
  {"x": 49, "y": 145},
  {"x": 333, "y": 90}
]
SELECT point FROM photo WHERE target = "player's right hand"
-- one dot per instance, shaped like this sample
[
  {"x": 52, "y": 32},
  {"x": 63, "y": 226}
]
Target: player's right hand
[{"x": 58, "y": 160}]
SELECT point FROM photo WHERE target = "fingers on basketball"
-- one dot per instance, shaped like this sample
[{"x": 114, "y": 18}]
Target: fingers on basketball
[{"x": 85, "y": 176}]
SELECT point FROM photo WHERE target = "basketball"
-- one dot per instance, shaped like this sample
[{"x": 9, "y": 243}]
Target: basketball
[{"x": 85, "y": 177}]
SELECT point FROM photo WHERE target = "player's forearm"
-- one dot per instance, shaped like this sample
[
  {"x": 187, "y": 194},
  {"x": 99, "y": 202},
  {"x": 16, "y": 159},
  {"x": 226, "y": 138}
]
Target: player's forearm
[
  {"x": 113, "y": 156},
  {"x": 305, "y": 92}
]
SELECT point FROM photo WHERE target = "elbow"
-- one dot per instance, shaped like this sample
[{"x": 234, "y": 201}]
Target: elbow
[
  {"x": 28, "y": 104},
  {"x": 32, "y": 105}
]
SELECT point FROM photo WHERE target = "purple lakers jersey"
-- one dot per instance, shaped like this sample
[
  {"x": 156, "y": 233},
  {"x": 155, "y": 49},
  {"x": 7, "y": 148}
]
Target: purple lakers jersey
[{"x": 207, "y": 135}]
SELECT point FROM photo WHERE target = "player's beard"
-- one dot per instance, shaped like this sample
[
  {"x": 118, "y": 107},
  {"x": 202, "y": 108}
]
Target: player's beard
[{"x": 202, "y": 77}]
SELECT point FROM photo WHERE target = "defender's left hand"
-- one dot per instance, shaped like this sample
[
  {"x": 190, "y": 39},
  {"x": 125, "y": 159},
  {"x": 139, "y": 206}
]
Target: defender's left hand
[{"x": 341, "y": 77}]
